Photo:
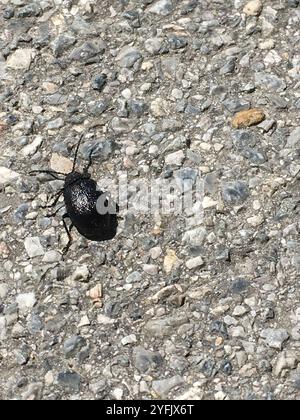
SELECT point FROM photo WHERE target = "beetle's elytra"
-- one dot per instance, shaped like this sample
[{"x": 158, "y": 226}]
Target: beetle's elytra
[{"x": 80, "y": 199}]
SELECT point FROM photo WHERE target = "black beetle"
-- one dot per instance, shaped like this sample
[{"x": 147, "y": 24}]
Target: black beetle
[{"x": 91, "y": 211}]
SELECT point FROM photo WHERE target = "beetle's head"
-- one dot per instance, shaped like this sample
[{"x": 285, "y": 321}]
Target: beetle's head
[{"x": 73, "y": 177}]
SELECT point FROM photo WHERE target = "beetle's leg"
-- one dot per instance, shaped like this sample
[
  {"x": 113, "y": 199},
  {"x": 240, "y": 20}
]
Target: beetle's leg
[
  {"x": 49, "y": 206},
  {"x": 52, "y": 173},
  {"x": 68, "y": 230},
  {"x": 87, "y": 167},
  {"x": 55, "y": 212}
]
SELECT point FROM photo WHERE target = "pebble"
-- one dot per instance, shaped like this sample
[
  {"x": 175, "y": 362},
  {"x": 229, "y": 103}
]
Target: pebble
[
  {"x": 162, "y": 7},
  {"x": 128, "y": 56},
  {"x": 33, "y": 247},
  {"x": 52, "y": 256},
  {"x": 129, "y": 339},
  {"x": 275, "y": 338},
  {"x": 256, "y": 221},
  {"x": 159, "y": 107},
  {"x": 240, "y": 310},
  {"x": 155, "y": 252},
  {"x": 26, "y": 302},
  {"x": 71, "y": 381},
  {"x": 162, "y": 387},
  {"x": 150, "y": 269},
  {"x": 195, "y": 263},
  {"x": 21, "y": 59},
  {"x": 33, "y": 147},
  {"x": 2, "y": 328},
  {"x": 269, "y": 82},
  {"x": 171, "y": 261},
  {"x": 253, "y": 8},
  {"x": 60, "y": 163},
  {"x": 286, "y": 360},
  {"x": 144, "y": 360},
  {"x": 134, "y": 277},
  {"x": 81, "y": 274},
  {"x": 235, "y": 192},
  {"x": 62, "y": 43},
  {"x": 294, "y": 138},
  {"x": 154, "y": 45},
  {"x": 7, "y": 176},
  {"x": 99, "y": 82},
  {"x": 73, "y": 345},
  {"x": 164, "y": 326},
  {"x": 248, "y": 118},
  {"x": 4, "y": 250},
  {"x": 175, "y": 158}
]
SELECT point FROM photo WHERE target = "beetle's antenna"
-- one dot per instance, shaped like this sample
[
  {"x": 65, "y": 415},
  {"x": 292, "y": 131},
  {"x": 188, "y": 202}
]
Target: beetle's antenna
[{"x": 77, "y": 150}]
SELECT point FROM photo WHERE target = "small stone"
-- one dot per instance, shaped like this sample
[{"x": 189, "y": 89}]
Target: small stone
[
  {"x": 267, "y": 125},
  {"x": 269, "y": 82},
  {"x": 175, "y": 158},
  {"x": 208, "y": 203},
  {"x": 33, "y": 247},
  {"x": 129, "y": 339},
  {"x": 4, "y": 250},
  {"x": 235, "y": 192},
  {"x": 236, "y": 105},
  {"x": 128, "y": 56},
  {"x": 240, "y": 311},
  {"x": 26, "y": 302},
  {"x": 84, "y": 322},
  {"x": 275, "y": 338},
  {"x": 3, "y": 290},
  {"x": 150, "y": 269},
  {"x": 33, "y": 147},
  {"x": 195, "y": 263},
  {"x": 144, "y": 360},
  {"x": 55, "y": 124},
  {"x": 285, "y": 360},
  {"x": 21, "y": 212},
  {"x": 248, "y": 118},
  {"x": 155, "y": 253},
  {"x": 52, "y": 256},
  {"x": 95, "y": 294},
  {"x": 21, "y": 59},
  {"x": 61, "y": 164},
  {"x": 7, "y": 176},
  {"x": 134, "y": 277},
  {"x": 164, "y": 386},
  {"x": 69, "y": 380},
  {"x": 256, "y": 221},
  {"x": 171, "y": 261},
  {"x": 177, "y": 93},
  {"x": 62, "y": 43},
  {"x": 272, "y": 58},
  {"x": 81, "y": 274},
  {"x": 159, "y": 107},
  {"x": 88, "y": 52},
  {"x": 162, "y": 7},
  {"x": 73, "y": 345},
  {"x": 2, "y": 328},
  {"x": 293, "y": 139},
  {"x": 253, "y": 8},
  {"x": 195, "y": 237},
  {"x": 154, "y": 45},
  {"x": 99, "y": 82}
]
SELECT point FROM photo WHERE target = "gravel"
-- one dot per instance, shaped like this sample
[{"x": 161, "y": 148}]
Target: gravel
[{"x": 199, "y": 304}]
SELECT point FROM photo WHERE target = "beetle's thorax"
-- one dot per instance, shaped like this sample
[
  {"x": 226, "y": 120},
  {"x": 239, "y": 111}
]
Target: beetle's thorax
[{"x": 72, "y": 177}]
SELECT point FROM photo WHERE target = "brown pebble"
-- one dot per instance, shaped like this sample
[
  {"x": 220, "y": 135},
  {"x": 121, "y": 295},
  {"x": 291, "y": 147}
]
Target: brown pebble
[
  {"x": 4, "y": 250},
  {"x": 248, "y": 118}
]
